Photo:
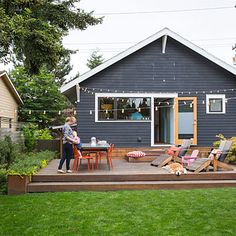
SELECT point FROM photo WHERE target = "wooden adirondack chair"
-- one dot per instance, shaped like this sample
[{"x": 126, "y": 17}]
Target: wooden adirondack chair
[
  {"x": 173, "y": 154},
  {"x": 215, "y": 159}
]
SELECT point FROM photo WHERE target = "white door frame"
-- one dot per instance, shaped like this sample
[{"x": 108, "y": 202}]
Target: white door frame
[{"x": 153, "y": 96}]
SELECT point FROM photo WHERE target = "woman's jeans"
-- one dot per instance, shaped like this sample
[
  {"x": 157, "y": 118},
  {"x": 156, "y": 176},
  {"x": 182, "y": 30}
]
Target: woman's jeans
[{"x": 67, "y": 153}]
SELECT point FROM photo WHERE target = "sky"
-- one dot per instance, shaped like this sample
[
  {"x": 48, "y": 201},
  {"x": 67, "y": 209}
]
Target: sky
[{"x": 212, "y": 30}]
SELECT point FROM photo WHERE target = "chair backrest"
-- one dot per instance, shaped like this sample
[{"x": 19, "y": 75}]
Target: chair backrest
[
  {"x": 186, "y": 143},
  {"x": 110, "y": 150},
  {"x": 75, "y": 151},
  {"x": 184, "y": 147},
  {"x": 226, "y": 145},
  {"x": 195, "y": 153}
]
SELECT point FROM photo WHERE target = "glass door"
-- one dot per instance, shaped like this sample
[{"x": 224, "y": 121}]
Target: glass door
[{"x": 186, "y": 119}]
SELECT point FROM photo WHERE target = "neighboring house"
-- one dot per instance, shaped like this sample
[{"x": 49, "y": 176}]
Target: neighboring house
[
  {"x": 180, "y": 90},
  {"x": 9, "y": 102}
]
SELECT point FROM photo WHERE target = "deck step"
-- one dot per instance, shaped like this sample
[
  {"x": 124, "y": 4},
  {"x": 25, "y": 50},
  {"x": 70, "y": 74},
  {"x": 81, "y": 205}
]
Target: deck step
[
  {"x": 111, "y": 177},
  {"x": 127, "y": 185}
]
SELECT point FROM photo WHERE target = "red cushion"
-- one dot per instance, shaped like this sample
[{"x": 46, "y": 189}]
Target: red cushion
[{"x": 135, "y": 154}]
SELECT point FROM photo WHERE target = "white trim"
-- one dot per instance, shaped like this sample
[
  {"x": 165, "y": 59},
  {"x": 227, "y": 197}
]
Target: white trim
[
  {"x": 78, "y": 92},
  {"x": 170, "y": 95},
  {"x": 12, "y": 86},
  {"x": 142, "y": 44},
  {"x": 164, "y": 42},
  {"x": 212, "y": 96},
  {"x": 131, "y": 95}
]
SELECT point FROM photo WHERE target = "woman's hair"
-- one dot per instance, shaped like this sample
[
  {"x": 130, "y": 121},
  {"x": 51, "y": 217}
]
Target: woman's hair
[
  {"x": 71, "y": 119},
  {"x": 74, "y": 133}
]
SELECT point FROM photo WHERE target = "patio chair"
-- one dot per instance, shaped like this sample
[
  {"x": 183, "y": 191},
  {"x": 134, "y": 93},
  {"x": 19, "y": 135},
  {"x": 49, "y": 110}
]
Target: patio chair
[
  {"x": 173, "y": 154},
  {"x": 189, "y": 159},
  {"x": 215, "y": 159},
  {"x": 78, "y": 158},
  {"x": 106, "y": 154}
]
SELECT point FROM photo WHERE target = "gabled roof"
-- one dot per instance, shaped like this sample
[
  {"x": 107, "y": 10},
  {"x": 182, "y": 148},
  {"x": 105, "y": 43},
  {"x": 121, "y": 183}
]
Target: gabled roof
[
  {"x": 4, "y": 76},
  {"x": 161, "y": 33}
]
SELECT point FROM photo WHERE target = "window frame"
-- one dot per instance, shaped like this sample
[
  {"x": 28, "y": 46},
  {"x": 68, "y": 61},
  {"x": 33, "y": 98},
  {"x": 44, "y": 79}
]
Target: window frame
[
  {"x": 120, "y": 95},
  {"x": 215, "y": 96}
]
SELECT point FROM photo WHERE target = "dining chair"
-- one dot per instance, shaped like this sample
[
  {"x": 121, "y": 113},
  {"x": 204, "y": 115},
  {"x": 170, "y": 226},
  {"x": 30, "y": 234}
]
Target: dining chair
[
  {"x": 78, "y": 157},
  {"x": 107, "y": 155}
]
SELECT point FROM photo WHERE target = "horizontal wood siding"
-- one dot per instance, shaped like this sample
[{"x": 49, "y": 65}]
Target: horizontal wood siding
[
  {"x": 148, "y": 70},
  {"x": 8, "y": 106}
]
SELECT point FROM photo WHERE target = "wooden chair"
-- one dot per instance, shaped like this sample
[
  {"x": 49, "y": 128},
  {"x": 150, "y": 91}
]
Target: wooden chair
[
  {"x": 78, "y": 158},
  {"x": 215, "y": 159},
  {"x": 173, "y": 154},
  {"x": 189, "y": 159},
  {"x": 106, "y": 154}
]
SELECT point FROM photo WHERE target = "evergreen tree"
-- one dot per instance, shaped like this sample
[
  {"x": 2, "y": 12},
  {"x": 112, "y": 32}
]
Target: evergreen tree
[
  {"x": 95, "y": 60},
  {"x": 31, "y": 31}
]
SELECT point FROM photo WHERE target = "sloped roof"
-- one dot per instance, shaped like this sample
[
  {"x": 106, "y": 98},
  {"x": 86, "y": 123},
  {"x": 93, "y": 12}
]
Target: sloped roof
[
  {"x": 4, "y": 76},
  {"x": 142, "y": 44}
]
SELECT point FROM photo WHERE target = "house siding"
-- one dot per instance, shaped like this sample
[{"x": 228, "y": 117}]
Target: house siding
[
  {"x": 8, "y": 106},
  {"x": 148, "y": 70}
]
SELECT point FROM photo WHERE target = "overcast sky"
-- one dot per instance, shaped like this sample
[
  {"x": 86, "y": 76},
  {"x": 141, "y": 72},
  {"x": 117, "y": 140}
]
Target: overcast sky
[{"x": 213, "y": 30}]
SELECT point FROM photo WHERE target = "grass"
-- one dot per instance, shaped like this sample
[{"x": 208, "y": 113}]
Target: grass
[{"x": 165, "y": 212}]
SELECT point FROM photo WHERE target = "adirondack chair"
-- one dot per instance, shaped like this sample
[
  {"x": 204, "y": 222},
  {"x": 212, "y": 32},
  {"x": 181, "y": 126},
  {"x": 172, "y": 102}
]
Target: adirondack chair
[
  {"x": 215, "y": 159},
  {"x": 189, "y": 159},
  {"x": 173, "y": 154}
]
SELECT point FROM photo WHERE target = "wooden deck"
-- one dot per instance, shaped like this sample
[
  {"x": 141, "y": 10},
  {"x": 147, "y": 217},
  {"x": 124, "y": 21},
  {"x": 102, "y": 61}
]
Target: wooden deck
[{"x": 124, "y": 176}]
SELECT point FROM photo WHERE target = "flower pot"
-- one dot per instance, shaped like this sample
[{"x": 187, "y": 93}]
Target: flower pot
[{"x": 17, "y": 184}]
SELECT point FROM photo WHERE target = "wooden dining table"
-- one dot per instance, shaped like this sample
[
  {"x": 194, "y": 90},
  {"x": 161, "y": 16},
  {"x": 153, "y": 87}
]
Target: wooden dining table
[{"x": 88, "y": 148}]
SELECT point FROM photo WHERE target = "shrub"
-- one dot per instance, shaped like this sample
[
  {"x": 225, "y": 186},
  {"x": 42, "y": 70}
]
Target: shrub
[
  {"x": 231, "y": 157},
  {"x": 32, "y": 134},
  {"x": 3, "y": 181},
  {"x": 7, "y": 151},
  {"x": 44, "y": 134},
  {"x": 30, "y": 137},
  {"x": 30, "y": 163}
]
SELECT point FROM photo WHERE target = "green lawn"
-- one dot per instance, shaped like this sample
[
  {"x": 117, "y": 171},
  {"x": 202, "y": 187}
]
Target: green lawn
[{"x": 171, "y": 212}]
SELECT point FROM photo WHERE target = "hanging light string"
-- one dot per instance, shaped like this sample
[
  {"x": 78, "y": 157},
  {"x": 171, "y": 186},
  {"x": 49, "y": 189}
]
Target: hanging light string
[
  {"x": 159, "y": 105},
  {"x": 95, "y": 90}
]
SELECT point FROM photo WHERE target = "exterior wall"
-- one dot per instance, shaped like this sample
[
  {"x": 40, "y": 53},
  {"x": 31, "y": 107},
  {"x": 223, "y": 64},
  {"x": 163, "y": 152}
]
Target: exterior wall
[
  {"x": 8, "y": 106},
  {"x": 148, "y": 70}
]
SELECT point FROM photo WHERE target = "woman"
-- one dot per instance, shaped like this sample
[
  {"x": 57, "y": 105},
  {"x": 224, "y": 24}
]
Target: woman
[{"x": 68, "y": 140}]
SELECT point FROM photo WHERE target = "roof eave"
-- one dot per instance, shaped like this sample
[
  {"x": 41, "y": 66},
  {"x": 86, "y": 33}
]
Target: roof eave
[{"x": 17, "y": 96}]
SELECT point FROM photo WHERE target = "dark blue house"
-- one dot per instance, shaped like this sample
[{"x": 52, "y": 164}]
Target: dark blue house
[{"x": 158, "y": 92}]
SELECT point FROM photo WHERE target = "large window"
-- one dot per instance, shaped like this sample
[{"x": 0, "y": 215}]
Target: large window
[
  {"x": 124, "y": 108},
  {"x": 215, "y": 103}
]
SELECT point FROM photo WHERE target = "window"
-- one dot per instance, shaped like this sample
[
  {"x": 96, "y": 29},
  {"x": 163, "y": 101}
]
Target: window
[
  {"x": 215, "y": 104},
  {"x": 124, "y": 108}
]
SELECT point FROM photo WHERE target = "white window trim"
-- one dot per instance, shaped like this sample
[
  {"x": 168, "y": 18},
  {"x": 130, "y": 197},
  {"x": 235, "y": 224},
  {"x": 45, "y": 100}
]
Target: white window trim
[
  {"x": 212, "y": 96},
  {"x": 131, "y": 95}
]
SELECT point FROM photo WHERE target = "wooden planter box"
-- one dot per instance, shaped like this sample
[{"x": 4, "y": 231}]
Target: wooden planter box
[{"x": 17, "y": 184}]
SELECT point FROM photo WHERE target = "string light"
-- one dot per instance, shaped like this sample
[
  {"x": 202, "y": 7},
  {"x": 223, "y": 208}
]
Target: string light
[
  {"x": 85, "y": 89},
  {"x": 59, "y": 113},
  {"x": 90, "y": 112},
  {"x": 29, "y": 112},
  {"x": 139, "y": 109},
  {"x": 74, "y": 112},
  {"x": 44, "y": 112},
  {"x": 123, "y": 111},
  {"x": 156, "y": 108}
]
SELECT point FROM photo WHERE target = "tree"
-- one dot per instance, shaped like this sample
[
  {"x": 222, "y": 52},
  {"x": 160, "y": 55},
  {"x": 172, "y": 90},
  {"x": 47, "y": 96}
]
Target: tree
[
  {"x": 41, "y": 96},
  {"x": 95, "y": 60},
  {"x": 31, "y": 31}
]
